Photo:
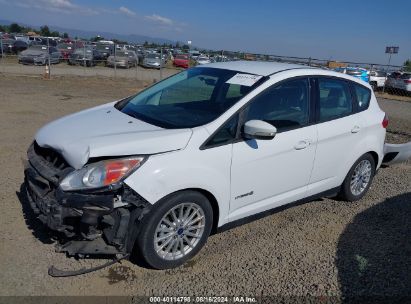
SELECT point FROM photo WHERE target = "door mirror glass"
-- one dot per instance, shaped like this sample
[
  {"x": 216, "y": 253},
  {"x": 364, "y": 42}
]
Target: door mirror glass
[{"x": 259, "y": 129}]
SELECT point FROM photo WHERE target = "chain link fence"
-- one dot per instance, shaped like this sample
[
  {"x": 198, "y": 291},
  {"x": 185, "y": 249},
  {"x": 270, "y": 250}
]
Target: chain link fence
[
  {"x": 83, "y": 60},
  {"x": 78, "y": 59}
]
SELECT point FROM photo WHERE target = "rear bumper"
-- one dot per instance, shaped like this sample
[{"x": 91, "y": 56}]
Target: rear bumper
[{"x": 396, "y": 153}]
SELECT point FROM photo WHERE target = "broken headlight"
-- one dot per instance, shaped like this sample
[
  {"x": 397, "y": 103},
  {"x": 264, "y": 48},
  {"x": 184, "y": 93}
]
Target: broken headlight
[{"x": 100, "y": 174}]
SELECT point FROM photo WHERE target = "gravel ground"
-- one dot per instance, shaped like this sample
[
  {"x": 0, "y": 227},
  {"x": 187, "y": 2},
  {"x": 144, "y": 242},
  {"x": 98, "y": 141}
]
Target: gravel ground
[{"x": 322, "y": 248}]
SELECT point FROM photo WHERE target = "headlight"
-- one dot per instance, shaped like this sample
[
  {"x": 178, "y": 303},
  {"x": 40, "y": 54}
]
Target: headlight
[{"x": 100, "y": 174}]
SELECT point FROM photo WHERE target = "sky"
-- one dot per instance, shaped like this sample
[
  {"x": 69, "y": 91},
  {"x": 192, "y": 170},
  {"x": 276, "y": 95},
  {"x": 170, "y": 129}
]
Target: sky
[{"x": 345, "y": 30}]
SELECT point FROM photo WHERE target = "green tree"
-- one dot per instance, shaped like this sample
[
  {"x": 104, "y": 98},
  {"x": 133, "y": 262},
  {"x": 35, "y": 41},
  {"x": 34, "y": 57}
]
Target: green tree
[
  {"x": 65, "y": 35},
  {"x": 45, "y": 31},
  {"x": 2, "y": 28},
  {"x": 15, "y": 28},
  {"x": 55, "y": 34},
  {"x": 407, "y": 65}
]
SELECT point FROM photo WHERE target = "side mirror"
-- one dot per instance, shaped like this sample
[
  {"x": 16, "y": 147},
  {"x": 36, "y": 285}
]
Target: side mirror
[{"x": 259, "y": 129}]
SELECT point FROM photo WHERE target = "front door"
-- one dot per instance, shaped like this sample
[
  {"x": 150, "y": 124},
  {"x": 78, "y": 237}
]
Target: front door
[{"x": 269, "y": 173}]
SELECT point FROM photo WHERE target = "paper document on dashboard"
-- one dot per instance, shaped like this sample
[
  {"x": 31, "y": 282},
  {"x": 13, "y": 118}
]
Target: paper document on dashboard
[{"x": 244, "y": 79}]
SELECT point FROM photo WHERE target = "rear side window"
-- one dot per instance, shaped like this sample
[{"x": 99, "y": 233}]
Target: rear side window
[
  {"x": 363, "y": 96},
  {"x": 335, "y": 99}
]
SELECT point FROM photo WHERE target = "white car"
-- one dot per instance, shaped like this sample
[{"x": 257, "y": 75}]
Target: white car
[
  {"x": 399, "y": 81},
  {"x": 203, "y": 60},
  {"x": 377, "y": 79},
  {"x": 157, "y": 172}
]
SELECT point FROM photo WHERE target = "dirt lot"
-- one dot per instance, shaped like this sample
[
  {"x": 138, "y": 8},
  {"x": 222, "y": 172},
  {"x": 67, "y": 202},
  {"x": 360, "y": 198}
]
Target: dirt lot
[{"x": 322, "y": 248}]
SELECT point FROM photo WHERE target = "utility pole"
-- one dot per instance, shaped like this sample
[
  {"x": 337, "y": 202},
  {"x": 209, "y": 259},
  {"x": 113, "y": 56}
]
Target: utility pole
[
  {"x": 161, "y": 63},
  {"x": 390, "y": 50}
]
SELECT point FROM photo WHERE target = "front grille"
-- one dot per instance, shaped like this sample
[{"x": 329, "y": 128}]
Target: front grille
[
  {"x": 51, "y": 156},
  {"x": 48, "y": 163}
]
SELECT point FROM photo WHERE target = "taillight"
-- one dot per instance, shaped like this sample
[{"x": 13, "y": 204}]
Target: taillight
[
  {"x": 385, "y": 122},
  {"x": 407, "y": 81}
]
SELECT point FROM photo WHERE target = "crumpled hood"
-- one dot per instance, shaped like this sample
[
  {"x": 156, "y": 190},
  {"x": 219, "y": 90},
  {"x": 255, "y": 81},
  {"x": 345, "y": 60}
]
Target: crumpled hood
[{"x": 105, "y": 131}]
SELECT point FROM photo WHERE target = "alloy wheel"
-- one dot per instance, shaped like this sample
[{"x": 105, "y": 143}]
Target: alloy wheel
[
  {"x": 361, "y": 177},
  {"x": 179, "y": 231}
]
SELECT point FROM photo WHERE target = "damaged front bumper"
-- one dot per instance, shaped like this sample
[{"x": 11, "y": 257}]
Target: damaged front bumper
[{"x": 104, "y": 222}]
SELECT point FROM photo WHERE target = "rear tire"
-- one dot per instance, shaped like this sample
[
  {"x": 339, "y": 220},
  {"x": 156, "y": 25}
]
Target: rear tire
[
  {"x": 175, "y": 229},
  {"x": 359, "y": 179}
]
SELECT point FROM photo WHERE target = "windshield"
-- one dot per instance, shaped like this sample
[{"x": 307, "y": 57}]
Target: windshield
[
  {"x": 123, "y": 54},
  {"x": 189, "y": 99},
  {"x": 65, "y": 46},
  {"x": 103, "y": 47},
  {"x": 153, "y": 56},
  {"x": 83, "y": 50},
  {"x": 38, "y": 47},
  {"x": 182, "y": 57}
]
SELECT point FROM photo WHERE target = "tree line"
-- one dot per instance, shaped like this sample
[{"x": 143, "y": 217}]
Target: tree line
[{"x": 20, "y": 29}]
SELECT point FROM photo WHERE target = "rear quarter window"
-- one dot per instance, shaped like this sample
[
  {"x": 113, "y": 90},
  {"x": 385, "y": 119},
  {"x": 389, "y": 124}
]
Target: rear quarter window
[{"x": 363, "y": 96}]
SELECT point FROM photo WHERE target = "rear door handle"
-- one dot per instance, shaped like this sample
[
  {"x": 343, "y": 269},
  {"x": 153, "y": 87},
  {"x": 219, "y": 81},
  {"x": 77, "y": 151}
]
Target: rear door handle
[
  {"x": 302, "y": 144},
  {"x": 355, "y": 129}
]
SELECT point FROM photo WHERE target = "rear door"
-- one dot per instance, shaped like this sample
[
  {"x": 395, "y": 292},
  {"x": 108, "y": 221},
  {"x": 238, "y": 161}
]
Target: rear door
[{"x": 339, "y": 130}]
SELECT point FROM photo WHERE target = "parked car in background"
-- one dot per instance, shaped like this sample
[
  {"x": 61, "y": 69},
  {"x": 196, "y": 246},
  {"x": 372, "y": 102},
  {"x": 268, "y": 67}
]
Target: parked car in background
[
  {"x": 377, "y": 79},
  {"x": 194, "y": 54},
  {"x": 34, "y": 40},
  {"x": 124, "y": 59},
  {"x": 86, "y": 56},
  {"x": 392, "y": 78},
  {"x": 19, "y": 46},
  {"x": 65, "y": 49},
  {"x": 400, "y": 81},
  {"x": 181, "y": 60},
  {"x": 7, "y": 45},
  {"x": 152, "y": 60},
  {"x": 140, "y": 55},
  {"x": 359, "y": 73},
  {"x": 157, "y": 172},
  {"x": 104, "y": 50},
  {"x": 203, "y": 60},
  {"x": 39, "y": 55}
]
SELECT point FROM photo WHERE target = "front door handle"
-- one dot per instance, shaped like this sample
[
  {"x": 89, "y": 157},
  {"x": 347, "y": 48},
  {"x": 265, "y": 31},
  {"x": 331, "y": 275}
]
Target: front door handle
[
  {"x": 355, "y": 129},
  {"x": 302, "y": 144}
]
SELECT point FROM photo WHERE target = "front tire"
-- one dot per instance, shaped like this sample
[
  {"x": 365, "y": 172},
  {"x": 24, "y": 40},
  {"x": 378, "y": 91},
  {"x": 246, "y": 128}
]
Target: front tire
[
  {"x": 358, "y": 179},
  {"x": 175, "y": 230}
]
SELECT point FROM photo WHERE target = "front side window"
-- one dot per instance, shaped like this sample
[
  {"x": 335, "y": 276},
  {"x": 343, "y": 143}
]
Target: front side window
[
  {"x": 363, "y": 96},
  {"x": 335, "y": 99},
  {"x": 189, "y": 99},
  {"x": 285, "y": 106}
]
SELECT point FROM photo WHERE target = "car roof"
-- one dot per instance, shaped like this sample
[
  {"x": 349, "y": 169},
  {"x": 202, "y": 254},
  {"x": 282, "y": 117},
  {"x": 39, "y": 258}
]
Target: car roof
[{"x": 262, "y": 68}]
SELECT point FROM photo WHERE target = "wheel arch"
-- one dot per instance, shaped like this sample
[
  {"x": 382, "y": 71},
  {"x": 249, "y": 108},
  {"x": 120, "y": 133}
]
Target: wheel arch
[{"x": 374, "y": 156}]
